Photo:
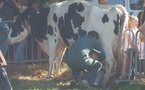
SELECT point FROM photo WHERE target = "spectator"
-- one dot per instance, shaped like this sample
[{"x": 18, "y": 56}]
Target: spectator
[
  {"x": 141, "y": 26},
  {"x": 141, "y": 17},
  {"x": 132, "y": 24},
  {"x": 7, "y": 10},
  {"x": 4, "y": 80},
  {"x": 78, "y": 59},
  {"x": 20, "y": 46},
  {"x": 34, "y": 11},
  {"x": 34, "y": 7},
  {"x": 142, "y": 55}
]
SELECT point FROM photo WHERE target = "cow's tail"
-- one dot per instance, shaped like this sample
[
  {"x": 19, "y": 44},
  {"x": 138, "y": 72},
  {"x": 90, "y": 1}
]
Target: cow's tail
[
  {"x": 119, "y": 45},
  {"x": 123, "y": 25}
]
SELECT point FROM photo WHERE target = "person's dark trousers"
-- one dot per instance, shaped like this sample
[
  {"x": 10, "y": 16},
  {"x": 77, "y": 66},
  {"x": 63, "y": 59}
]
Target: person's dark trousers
[
  {"x": 93, "y": 72},
  {"x": 75, "y": 74},
  {"x": 4, "y": 80}
]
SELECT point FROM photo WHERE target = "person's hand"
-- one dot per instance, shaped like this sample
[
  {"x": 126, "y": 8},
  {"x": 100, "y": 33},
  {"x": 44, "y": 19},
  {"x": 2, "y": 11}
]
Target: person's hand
[
  {"x": 1, "y": 65},
  {"x": 9, "y": 42},
  {"x": 94, "y": 56}
]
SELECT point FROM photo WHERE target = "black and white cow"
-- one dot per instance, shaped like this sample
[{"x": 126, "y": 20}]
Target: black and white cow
[
  {"x": 17, "y": 32},
  {"x": 72, "y": 19}
]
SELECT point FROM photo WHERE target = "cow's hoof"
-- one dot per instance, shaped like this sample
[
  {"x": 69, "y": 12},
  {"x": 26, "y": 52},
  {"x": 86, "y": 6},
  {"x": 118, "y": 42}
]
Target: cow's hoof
[{"x": 49, "y": 77}]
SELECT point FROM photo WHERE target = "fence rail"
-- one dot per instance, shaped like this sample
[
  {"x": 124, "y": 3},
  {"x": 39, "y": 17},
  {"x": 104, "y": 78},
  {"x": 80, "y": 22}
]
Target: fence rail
[
  {"x": 32, "y": 52},
  {"x": 135, "y": 68}
]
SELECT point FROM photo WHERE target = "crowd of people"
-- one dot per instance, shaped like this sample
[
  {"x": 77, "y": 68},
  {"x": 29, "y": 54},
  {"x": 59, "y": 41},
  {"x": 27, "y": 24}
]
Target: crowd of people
[{"x": 90, "y": 56}]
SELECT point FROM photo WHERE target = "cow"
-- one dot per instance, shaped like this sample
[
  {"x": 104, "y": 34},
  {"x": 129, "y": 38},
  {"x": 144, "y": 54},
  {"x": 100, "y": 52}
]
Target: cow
[
  {"x": 17, "y": 31},
  {"x": 69, "y": 20}
]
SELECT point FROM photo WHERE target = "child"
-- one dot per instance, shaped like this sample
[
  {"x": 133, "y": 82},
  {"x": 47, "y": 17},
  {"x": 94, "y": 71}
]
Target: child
[
  {"x": 142, "y": 54},
  {"x": 132, "y": 24}
]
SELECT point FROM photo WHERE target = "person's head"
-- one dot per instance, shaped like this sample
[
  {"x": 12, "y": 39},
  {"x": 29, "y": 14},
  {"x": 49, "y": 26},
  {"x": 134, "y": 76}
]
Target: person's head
[
  {"x": 103, "y": 2},
  {"x": 34, "y": 3},
  {"x": 94, "y": 35},
  {"x": 133, "y": 22}
]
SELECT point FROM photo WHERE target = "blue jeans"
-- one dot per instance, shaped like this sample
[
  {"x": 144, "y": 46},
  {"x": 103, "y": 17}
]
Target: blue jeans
[
  {"x": 4, "y": 80},
  {"x": 20, "y": 51}
]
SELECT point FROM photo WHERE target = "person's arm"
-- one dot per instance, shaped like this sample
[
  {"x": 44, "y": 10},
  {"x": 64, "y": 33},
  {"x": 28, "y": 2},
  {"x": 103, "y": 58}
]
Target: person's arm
[
  {"x": 21, "y": 8},
  {"x": 2, "y": 60},
  {"x": 16, "y": 4}
]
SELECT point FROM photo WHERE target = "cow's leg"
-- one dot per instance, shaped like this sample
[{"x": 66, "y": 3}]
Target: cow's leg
[
  {"x": 60, "y": 52},
  {"x": 52, "y": 46},
  {"x": 57, "y": 64},
  {"x": 109, "y": 62},
  {"x": 58, "y": 59}
]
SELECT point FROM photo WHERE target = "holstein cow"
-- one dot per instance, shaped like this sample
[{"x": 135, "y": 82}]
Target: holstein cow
[
  {"x": 17, "y": 31},
  {"x": 72, "y": 19}
]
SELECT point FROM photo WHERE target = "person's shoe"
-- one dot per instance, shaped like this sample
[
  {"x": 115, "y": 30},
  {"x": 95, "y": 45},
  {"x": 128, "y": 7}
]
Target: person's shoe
[
  {"x": 73, "y": 84},
  {"x": 86, "y": 84}
]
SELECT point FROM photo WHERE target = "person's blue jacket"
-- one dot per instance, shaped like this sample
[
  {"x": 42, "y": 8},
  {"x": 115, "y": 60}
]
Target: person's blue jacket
[
  {"x": 4, "y": 29},
  {"x": 80, "y": 51}
]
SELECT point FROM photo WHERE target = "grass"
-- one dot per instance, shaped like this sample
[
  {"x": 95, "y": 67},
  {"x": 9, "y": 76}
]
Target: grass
[{"x": 32, "y": 77}]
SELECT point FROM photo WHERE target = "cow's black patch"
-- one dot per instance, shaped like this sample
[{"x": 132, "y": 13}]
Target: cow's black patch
[
  {"x": 17, "y": 27},
  {"x": 82, "y": 32},
  {"x": 105, "y": 18},
  {"x": 65, "y": 31},
  {"x": 80, "y": 7},
  {"x": 55, "y": 40},
  {"x": 75, "y": 36},
  {"x": 71, "y": 17},
  {"x": 50, "y": 30},
  {"x": 116, "y": 23},
  {"x": 55, "y": 18},
  {"x": 39, "y": 25}
]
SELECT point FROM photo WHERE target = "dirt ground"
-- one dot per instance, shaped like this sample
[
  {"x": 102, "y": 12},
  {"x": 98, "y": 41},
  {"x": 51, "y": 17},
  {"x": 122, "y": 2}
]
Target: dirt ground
[
  {"x": 33, "y": 76},
  {"x": 26, "y": 77}
]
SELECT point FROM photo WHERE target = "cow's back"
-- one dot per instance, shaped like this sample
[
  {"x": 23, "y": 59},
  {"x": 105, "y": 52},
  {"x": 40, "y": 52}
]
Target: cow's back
[
  {"x": 69, "y": 19},
  {"x": 73, "y": 19}
]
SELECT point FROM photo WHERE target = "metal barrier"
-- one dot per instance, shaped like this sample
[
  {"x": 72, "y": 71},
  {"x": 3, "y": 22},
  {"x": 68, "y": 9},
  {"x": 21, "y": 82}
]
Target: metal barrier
[
  {"x": 135, "y": 70},
  {"x": 33, "y": 53}
]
